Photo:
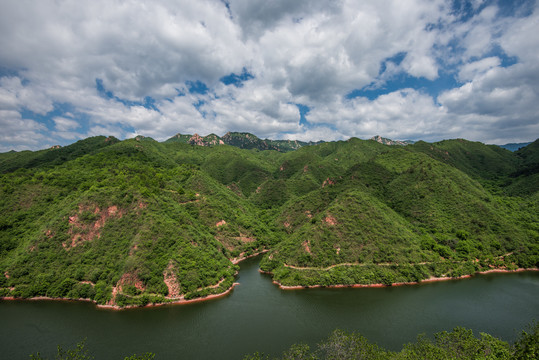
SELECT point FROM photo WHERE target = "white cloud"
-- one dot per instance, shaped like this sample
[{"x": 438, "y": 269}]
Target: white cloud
[
  {"x": 299, "y": 52},
  {"x": 475, "y": 68},
  {"x": 500, "y": 103},
  {"x": 402, "y": 114},
  {"x": 315, "y": 134},
  {"x": 65, "y": 124},
  {"x": 14, "y": 95},
  {"x": 18, "y": 133}
]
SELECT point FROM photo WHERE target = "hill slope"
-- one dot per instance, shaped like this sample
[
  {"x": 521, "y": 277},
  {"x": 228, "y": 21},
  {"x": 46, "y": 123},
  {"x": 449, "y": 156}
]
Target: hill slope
[{"x": 137, "y": 221}]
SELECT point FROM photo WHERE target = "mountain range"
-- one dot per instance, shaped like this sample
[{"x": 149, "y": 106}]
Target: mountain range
[
  {"x": 138, "y": 221},
  {"x": 241, "y": 140}
]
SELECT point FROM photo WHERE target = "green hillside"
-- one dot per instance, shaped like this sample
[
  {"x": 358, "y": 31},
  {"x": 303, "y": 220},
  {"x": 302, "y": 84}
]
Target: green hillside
[
  {"x": 54, "y": 156},
  {"x": 137, "y": 221},
  {"x": 474, "y": 158}
]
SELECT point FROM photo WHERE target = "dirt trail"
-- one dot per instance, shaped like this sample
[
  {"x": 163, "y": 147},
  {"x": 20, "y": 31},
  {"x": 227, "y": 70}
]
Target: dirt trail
[{"x": 366, "y": 264}]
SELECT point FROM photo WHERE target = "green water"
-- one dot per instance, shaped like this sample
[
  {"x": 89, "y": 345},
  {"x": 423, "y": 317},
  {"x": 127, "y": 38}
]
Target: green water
[{"x": 257, "y": 316}]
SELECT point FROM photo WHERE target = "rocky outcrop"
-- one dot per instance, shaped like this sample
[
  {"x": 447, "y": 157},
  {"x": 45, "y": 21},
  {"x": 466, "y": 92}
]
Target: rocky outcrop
[{"x": 386, "y": 141}]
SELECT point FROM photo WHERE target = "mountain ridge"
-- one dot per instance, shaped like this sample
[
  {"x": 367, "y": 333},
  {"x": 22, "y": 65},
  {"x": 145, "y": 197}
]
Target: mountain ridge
[
  {"x": 132, "y": 222},
  {"x": 242, "y": 140}
]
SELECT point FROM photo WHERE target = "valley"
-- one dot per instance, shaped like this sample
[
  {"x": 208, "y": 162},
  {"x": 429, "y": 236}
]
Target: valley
[{"x": 138, "y": 222}]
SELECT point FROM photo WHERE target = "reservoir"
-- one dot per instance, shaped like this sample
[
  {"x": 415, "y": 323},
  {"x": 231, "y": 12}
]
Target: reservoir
[{"x": 258, "y": 316}]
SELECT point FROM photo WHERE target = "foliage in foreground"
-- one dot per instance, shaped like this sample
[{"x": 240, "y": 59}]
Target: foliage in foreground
[
  {"x": 341, "y": 345},
  {"x": 80, "y": 352},
  {"x": 457, "y": 344}
]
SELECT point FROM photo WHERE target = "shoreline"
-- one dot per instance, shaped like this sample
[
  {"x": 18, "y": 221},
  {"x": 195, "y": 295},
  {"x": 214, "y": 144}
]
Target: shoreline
[
  {"x": 179, "y": 301},
  {"x": 236, "y": 261},
  {"x": 174, "y": 302},
  {"x": 182, "y": 301},
  {"x": 380, "y": 285},
  {"x": 116, "y": 307}
]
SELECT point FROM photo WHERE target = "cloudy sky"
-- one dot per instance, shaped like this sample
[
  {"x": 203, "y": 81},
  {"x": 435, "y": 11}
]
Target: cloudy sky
[{"x": 281, "y": 69}]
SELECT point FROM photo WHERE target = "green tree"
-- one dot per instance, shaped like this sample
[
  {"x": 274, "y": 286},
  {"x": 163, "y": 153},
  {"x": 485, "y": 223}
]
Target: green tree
[
  {"x": 78, "y": 353},
  {"x": 527, "y": 345},
  {"x": 344, "y": 346}
]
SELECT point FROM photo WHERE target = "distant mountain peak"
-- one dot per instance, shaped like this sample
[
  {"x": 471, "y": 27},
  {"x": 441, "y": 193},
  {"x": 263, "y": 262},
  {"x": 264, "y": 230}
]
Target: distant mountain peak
[
  {"x": 514, "y": 146},
  {"x": 242, "y": 140},
  {"x": 386, "y": 141}
]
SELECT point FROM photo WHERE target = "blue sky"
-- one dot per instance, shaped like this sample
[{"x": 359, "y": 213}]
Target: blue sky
[{"x": 304, "y": 69}]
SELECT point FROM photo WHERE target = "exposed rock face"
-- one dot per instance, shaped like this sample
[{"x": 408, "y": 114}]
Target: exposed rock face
[
  {"x": 387, "y": 141},
  {"x": 196, "y": 140},
  {"x": 241, "y": 140},
  {"x": 209, "y": 140},
  {"x": 212, "y": 140}
]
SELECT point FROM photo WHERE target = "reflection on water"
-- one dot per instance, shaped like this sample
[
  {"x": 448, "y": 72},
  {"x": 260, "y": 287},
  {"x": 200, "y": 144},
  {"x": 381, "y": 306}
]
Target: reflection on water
[{"x": 257, "y": 316}]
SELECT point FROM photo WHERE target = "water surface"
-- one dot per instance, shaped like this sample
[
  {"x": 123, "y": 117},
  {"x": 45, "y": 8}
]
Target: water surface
[{"x": 258, "y": 316}]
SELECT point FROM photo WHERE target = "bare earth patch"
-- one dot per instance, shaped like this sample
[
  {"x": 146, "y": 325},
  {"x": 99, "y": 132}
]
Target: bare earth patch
[
  {"x": 330, "y": 220},
  {"x": 81, "y": 232},
  {"x": 328, "y": 182},
  {"x": 130, "y": 279},
  {"x": 220, "y": 223},
  {"x": 306, "y": 244},
  {"x": 214, "y": 286},
  {"x": 170, "y": 279}
]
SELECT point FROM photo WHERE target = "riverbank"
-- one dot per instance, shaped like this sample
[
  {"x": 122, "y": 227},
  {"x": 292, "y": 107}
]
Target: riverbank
[
  {"x": 178, "y": 301},
  {"x": 380, "y": 285},
  {"x": 242, "y": 256},
  {"x": 181, "y": 300}
]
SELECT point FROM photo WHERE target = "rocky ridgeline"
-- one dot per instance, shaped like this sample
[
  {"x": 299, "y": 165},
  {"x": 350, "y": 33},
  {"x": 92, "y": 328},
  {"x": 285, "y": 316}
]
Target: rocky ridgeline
[
  {"x": 241, "y": 140},
  {"x": 386, "y": 141}
]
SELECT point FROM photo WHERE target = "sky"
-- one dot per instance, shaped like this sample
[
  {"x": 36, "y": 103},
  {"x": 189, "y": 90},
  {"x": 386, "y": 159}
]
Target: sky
[{"x": 303, "y": 69}]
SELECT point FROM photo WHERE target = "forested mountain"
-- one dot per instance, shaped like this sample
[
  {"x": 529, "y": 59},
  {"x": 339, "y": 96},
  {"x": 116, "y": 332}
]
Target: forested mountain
[
  {"x": 386, "y": 141},
  {"x": 515, "y": 146},
  {"x": 241, "y": 140},
  {"x": 138, "y": 221}
]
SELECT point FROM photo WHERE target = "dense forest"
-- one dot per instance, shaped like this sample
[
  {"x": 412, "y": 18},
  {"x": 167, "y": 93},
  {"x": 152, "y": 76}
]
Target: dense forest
[{"x": 138, "y": 221}]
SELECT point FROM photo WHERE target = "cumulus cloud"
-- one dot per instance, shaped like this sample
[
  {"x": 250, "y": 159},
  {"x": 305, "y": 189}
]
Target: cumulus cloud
[
  {"x": 475, "y": 68},
  {"x": 402, "y": 114},
  {"x": 124, "y": 68},
  {"x": 501, "y": 102},
  {"x": 18, "y": 133}
]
